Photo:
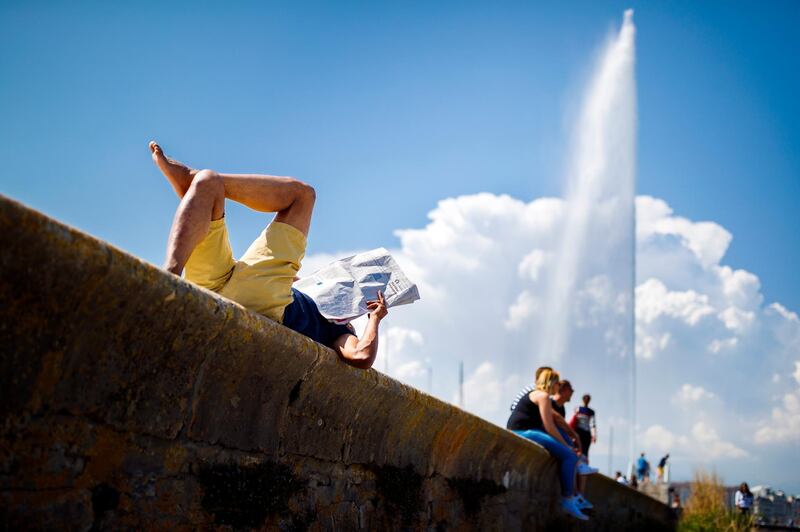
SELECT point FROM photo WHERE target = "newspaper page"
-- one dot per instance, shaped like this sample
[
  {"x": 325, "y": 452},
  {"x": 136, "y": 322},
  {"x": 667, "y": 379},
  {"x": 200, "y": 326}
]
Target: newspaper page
[{"x": 342, "y": 289}]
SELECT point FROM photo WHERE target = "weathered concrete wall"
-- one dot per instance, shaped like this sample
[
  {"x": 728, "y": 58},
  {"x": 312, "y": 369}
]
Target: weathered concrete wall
[{"x": 132, "y": 399}]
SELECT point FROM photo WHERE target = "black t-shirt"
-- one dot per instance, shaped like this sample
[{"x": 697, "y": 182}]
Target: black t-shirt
[
  {"x": 585, "y": 418},
  {"x": 525, "y": 416},
  {"x": 302, "y": 315},
  {"x": 558, "y": 408}
]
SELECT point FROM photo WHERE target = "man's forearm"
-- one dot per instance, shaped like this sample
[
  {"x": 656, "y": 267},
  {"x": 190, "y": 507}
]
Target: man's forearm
[
  {"x": 367, "y": 348},
  {"x": 361, "y": 353},
  {"x": 563, "y": 422},
  {"x": 560, "y": 421}
]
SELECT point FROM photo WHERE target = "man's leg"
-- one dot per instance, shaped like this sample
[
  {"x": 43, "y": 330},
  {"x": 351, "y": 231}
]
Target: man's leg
[
  {"x": 292, "y": 200},
  {"x": 203, "y": 201}
]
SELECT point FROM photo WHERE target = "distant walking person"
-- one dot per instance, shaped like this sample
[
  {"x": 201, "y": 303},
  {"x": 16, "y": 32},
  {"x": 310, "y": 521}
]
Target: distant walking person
[
  {"x": 643, "y": 468},
  {"x": 744, "y": 499},
  {"x": 533, "y": 418},
  {"x": 660, "y": 470},
  {"x": 585, "y": 425}
]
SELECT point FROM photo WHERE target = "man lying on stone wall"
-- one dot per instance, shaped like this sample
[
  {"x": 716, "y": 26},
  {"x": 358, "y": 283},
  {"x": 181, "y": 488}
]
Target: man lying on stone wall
[{"x": 261, "y": 280}]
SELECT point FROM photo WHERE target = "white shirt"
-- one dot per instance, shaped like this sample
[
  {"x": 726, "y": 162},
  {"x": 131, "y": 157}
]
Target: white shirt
[{"x": 743, "y": 501}]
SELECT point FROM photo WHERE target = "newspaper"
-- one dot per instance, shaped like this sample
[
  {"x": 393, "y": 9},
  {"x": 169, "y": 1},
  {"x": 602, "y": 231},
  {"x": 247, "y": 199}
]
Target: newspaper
[{"x": 342, "y": 289}]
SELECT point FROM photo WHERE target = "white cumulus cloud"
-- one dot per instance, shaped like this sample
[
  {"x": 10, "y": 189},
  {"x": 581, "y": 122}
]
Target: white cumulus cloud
[
  {"x": 484, "y": 390},
  {"x": 654, "y": 300},
  {"x": 484, "y": 263},
  {"x": 521, "y": 310},
  {"x": 688, "y": 394},
  {"x": 701, "y": 443},
  {"x": 709, "y": 444},
  {"x": 784, "y": 421},
  {"x": 660, "y": 439}
]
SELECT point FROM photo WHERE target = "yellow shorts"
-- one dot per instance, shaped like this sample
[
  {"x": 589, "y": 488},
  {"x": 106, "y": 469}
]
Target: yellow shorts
[{"x": 262, "y": 279}]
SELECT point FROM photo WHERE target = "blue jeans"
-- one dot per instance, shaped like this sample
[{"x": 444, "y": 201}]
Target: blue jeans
[
  {"x": 564, "y": 434},
  {"x": 567, "y": 459}
]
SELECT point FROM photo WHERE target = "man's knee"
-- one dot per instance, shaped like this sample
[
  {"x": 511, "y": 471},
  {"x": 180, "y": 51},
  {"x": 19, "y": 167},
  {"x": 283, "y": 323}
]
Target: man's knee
[
  {"x": 208, "y": 182},
  {"x": 299, "y": 211},
  {"x": 305, "y": 193}
]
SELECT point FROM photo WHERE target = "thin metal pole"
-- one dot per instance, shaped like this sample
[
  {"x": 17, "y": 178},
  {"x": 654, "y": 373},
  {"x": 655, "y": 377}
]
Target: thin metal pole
[
  {"x": 430, "y": 375},
  {"x": 461, "y": 384},
  {"x": 633, "y": 327},
  {"x": 610, "y": 450}
]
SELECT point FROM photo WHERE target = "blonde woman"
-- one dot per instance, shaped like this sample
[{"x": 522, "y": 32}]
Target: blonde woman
[{"x": 532, "y": 418}]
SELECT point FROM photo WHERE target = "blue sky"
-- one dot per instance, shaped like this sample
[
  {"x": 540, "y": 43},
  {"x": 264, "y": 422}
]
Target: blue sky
[
  {"x": 389, "y": 108},
  {"x": 415, "y": 102}
]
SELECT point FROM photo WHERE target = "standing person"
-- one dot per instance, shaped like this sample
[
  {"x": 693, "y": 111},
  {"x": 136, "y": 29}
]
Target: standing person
[
  {"x": 662, "y": 465},
  {"x": 585, "y": 425},
  {"x": 619, "y": 477},
  {"x": 532, "y": 418},
  {"x": 642, "y": 468},
  {"x": 261, "y": 280},
  {"x": 743, "y": 500}
]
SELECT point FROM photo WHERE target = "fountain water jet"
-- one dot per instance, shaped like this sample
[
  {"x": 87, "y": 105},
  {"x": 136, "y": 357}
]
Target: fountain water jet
[{"x": 600, "y": 210}]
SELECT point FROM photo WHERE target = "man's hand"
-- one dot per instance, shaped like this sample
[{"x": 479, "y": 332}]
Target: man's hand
[{"x": 378, "y": 308}]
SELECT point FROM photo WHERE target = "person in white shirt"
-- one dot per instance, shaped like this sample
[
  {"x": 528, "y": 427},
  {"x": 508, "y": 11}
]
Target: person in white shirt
[{"x": 744, "y": 499}]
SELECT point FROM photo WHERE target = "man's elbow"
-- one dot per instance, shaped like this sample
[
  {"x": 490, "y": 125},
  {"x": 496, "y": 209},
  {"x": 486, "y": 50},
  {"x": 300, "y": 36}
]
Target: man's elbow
[
  {"x": 359, "y": 360},
  {"x": 362, "y": 364}
]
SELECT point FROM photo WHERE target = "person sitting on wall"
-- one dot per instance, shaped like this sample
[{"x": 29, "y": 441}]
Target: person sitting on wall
[
  {"x": 533, "y": 418},
  {"x": 558, "y": 400},
  {"x": 675, "y": 504},
  {"x": 261, "y": 280}
]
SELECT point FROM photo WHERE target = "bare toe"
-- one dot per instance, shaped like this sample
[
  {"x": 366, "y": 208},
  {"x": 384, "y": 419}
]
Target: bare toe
[{"x": 155, "y": 149}]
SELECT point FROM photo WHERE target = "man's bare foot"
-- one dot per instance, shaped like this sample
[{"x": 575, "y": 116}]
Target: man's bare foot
[{"x": 179, "y": 175}]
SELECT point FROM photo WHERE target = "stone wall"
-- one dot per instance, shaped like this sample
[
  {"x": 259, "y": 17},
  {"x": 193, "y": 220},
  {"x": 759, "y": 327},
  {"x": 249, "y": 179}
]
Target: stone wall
[{"x": 131, "y": 399}]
